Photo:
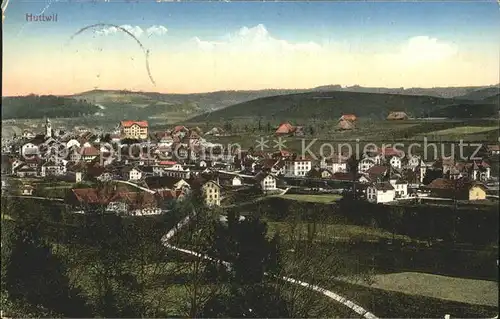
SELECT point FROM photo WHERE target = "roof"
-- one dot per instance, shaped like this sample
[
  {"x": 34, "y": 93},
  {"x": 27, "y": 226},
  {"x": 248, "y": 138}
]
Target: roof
[
  {"x": 129, "y": 123},
  {"x": 103, "y": 197},
  {"x": 448, "y": 184},
  {"x": 390, "y": 151},
  {"x": 285, "y": 128},
  {"x": 158, "y": 182},
  {"x": 262, "y": 175},
  {"x": 89, "y": 151},
  {"x": 397, "y": 116},
  {"x": 385, "y": 186},
  {"x": 348, "y": 117},
  {"x": 493, "y": 147},
  {"x": 345, "y": 124},
  {"x": 179, "y": 128},
  {"x": 167, "y": 163},
  {"x": 377, "y": 170}
]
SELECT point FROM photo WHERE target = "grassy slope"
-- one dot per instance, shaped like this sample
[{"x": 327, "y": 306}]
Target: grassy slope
[{"x": 330, "y": 105}]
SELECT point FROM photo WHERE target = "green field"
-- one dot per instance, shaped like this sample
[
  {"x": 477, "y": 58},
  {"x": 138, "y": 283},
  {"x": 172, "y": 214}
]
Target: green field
[
  {"x": 464, "y": 130},
  {"x": 312, "y": 198},
  {"x": 332, "y": 232},
  {"x": 477, "y": 292}
]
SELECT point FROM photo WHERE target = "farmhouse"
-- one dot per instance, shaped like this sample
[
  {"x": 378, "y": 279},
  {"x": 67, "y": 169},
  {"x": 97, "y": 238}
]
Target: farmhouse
[
  {"x": 397, "y": 116},
  {"x": 460, "y": 189},
  {"x": 345, "y": 125},
  {"x": 348, "y": 117},
  {"x": 285, "y": 129}
]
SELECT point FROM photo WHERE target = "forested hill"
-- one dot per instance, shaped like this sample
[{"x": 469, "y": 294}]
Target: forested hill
[
  {"x": 39, "y": 106},
  {"x": 331, "y": 105}
]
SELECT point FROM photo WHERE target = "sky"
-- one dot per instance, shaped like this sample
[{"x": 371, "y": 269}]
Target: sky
[{"x": 188, "y": 47}]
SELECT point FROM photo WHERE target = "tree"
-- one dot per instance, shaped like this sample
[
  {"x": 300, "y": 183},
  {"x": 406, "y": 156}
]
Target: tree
[
  {"x": 244, "y": 245},
  {"x": 32, "y": 276},
  {"x": 353, "y": 168}
]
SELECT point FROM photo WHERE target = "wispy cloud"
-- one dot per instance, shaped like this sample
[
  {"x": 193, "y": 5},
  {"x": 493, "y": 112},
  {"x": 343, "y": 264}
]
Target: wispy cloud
[
  {"x": 256, "y": 38},
  {"x": 137, "y": 31}
]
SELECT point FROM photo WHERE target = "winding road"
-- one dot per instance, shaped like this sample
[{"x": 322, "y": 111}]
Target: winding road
[{"x": 330, "y": 294}]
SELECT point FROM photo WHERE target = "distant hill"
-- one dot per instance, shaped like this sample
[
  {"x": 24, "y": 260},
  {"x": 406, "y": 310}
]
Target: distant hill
[
  {"x": 446, "y": 92},
  {"x": 330, "y": 105},
  {"x": 35, "y": 106},
  {"x": 466, "y": 111},
  {"x": 122, "y": 104},
  {"x": 482, "y": 94},
  {"x": 495, "y": 99}
]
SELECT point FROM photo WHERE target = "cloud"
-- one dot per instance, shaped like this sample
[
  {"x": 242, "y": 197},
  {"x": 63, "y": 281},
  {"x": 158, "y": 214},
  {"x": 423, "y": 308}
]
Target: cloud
[
  {"x": 156, "y": 30},
  {"x": 425, "y": 48},
  {"x": 255, "y": 38},
  {"x": 137, "y": 31}
]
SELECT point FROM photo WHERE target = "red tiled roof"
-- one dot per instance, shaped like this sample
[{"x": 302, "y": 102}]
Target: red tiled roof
[
  {"x": 167, "y": 163},
  {"x": 348, "y": 117},
  {"x": 390, "y": 151},
  {"x": 130, "y": 123},
  {"x": 285, "y": 128},
  {"x": 89, "y": 151}
]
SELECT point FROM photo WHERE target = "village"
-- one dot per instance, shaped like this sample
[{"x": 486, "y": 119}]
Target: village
[{"x": 160, "y": 167}]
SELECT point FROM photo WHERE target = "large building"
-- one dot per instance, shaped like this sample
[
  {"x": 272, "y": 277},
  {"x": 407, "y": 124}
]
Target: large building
[{"x": 134, "y": 130}]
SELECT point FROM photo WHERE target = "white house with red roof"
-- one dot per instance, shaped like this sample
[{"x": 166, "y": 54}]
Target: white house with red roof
[{"x": 134, "y": 129}]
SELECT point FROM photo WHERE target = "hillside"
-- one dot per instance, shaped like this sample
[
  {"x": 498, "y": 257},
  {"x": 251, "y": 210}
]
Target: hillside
[
  {"x": 481, "y": 94},
  {"x": 446, "y": 92},
  {"x": 329, "y": 105},
  {"x": 115, "y": 105},
  {"x": 466, "y": 111},
  {"x": 35, "y": 106}
]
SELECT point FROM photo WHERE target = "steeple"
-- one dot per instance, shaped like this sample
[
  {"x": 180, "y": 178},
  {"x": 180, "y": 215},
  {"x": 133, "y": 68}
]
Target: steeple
[{"x": 48, "y": 128}]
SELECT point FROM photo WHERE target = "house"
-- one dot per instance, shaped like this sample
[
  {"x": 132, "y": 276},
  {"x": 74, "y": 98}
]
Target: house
[
  {"x": 27, "y": 190},
  {"x": 299, "y": 131},
  {"x": 348, "y": 117},
  {"x": 336, "y": 163},
  {"x": 365, "y": 164},
  {"x": 27, "y": 171},
  {"x": 413, "y": 161},
  {"x": 395, "y": 162},
  {"x": 400, "y": 188},
  {"x": 285, "y": 129},
  {"x": 88, "y": 153},
  {"x": 158, "y": 183},
  {"x": 378, "y": 172},
  {"x": 134, "y": 130},
  {"x": 236, "y": 181},
  {"x": 345, "y": 125},
  {"x": 397, "y": 116},
  {"x": 211, "y": 192},
  {"x": 216, "y": 131},
  {"x": 326, "y": 173},
  {"x": 51, "y": 168},
  {"x": 297, "y": 167},
  {"x": 493, "y": 149},
  {"x": 131, "y": 173},
  {"x": 28, "y": 134},
  {"x": 266, "y": 182},
  {"x": 115, "y": 201},
  {"x": 382, "y": 192},
  {"x": 461, "y": 189}
]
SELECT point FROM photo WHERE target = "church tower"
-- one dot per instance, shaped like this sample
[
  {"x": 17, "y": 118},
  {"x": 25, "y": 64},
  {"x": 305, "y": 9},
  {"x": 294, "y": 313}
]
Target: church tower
[{"x": 48, "y": 128}]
